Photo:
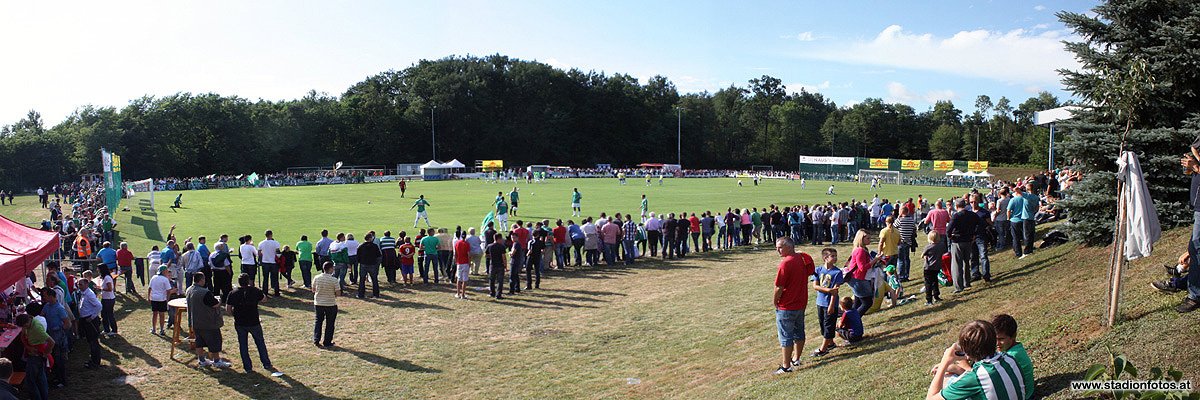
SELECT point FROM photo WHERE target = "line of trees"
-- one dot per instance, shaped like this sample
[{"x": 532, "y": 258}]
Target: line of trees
[{"x": 524, "y": 112}]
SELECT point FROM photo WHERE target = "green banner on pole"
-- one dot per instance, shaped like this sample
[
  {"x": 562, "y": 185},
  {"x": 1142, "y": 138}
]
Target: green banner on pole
[{"x": 112, "y": 180}]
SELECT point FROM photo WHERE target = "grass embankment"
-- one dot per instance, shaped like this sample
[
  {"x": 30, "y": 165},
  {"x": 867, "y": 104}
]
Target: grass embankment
[{"x": 700, "y": 327}]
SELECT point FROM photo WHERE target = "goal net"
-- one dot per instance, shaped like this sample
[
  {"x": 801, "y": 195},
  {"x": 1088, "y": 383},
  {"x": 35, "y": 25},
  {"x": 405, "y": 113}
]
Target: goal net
[
  {"x": 136, "y": 189},
  {"x": 890, "y": 177}
]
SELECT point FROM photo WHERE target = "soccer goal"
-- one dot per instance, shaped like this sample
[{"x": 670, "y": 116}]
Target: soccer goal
[
  {"x": 890, "y": 177},
  {"x": 142, "y": 186}
]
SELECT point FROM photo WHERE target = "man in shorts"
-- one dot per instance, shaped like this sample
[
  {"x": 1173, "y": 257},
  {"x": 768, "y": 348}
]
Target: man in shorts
[
  {"x": 791, "y": 297},
  {"x": 575, "y": 198},
  {"x": 420, "y": 205},
  {"x": 160, "y": 291},
  {"x": 204, "y": 314},
  {"x": 502, "y": 214},
  {"x": 462, "y": 259},
  {"x": 515, "y": 198}
]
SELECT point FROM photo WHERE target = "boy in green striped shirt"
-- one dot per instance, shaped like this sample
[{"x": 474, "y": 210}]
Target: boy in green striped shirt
[{"x": 992, "y": 375}]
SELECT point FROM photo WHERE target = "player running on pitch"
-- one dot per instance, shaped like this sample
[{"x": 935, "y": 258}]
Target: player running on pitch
[
  {"x": 575, "y": 198},
  {"x": 420, "y": 206},
  {"x": 645, "y": 208}
]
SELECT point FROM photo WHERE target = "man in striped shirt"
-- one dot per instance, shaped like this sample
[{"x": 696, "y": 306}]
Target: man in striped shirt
[
  {"x": 630, "y": 229},
  {"x": 993, "y": 375},
  {"x": 907, "y": 225}
]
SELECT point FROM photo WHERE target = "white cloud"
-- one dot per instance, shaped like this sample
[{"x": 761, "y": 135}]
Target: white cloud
[
  {"x": 806, "y": 36},
  {"x": 1033, "y": 89},
  {"x": 1039, "y": 7},
  {"x": 1015, "y": 57},
  {"x": 899, "y": 93},
  {"x": 554, "y": 62},
  {"x": 811, "y": 88}
]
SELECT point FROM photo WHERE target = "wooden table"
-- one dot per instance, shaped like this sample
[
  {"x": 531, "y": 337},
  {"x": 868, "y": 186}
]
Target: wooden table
[{"x": 180, "y": 305}]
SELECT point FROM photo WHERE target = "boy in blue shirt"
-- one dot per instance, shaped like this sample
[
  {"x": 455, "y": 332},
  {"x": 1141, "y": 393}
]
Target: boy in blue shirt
[
  {"x": 850, "y": 327},
  {"x": 826, "y": 281}
]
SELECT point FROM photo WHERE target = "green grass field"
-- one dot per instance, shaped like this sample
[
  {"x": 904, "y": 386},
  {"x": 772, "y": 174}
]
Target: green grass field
[
  {"x": 702, "y": 327},
  {"x": 295, "y": 211}
]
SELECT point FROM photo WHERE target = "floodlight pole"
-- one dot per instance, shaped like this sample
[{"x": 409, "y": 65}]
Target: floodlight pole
[
  {"x": 679, "y": 135},
  {"x": 976, "y": 142},
  {"x": 433, "y": 132}
]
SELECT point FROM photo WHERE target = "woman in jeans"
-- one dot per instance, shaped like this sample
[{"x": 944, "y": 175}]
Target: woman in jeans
[{"x": 856, "y": 272}]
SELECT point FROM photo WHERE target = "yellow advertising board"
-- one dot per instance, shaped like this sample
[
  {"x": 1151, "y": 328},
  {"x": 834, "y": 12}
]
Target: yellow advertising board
[
  {"x": 943, "y": 165},
  {"x": 879, "y": 163},
  {"x": 911, "y": 165},
  {"x": 493, "y": 164},
  {"x": 977, "y": 166}
]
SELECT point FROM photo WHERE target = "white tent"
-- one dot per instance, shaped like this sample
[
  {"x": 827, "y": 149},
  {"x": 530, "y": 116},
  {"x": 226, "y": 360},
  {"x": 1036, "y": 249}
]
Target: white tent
[
  {"x": 454, "y": 164},
  {"x": 434, "y": 168},
  {"x": 954, "y": 173},
  {"x": 970, "y": 174},
  {"x": 984, "y": 174}
]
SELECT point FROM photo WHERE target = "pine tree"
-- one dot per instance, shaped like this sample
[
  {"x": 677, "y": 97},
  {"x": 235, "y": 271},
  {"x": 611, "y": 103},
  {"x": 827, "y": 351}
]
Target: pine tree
[{"x": 1139, "y": 72}]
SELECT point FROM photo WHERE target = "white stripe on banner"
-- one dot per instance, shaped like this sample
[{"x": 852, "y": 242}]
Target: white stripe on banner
[{"x": 827, "y": 160}]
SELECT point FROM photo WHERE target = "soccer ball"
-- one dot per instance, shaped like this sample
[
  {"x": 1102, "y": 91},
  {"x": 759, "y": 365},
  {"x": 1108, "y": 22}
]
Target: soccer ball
[{"x": 368, "y": 202}]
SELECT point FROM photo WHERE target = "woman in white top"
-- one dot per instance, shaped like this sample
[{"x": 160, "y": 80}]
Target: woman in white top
[{"x": 108, "y": 300}]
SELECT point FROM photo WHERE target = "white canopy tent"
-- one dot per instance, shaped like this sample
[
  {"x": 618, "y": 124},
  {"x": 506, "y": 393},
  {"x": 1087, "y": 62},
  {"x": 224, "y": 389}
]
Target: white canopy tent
[
  {"x": 955, "y": 172},
  {"x": 454, "y": 164},
  {"x": 984, "y": 174}
]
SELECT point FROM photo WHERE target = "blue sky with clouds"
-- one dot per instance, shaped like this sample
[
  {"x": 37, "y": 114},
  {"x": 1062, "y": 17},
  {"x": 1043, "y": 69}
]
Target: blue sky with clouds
[{"x": 60, "y": 55}]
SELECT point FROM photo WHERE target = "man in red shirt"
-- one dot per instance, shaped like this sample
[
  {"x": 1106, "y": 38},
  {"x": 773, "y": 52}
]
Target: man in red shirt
[
  {"x": 560, "y": 244},
  {"x": 406, "y": 251},
  {"x": 791, "y": 296},
  {"x": 462, "y": 257},
  {"x": 125, "y": 263}
]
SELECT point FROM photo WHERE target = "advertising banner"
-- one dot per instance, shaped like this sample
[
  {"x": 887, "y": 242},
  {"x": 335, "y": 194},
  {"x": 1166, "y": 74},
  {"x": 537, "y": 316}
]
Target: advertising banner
[
  {"x": 977, "y": 166},
  {"x": 911, "y": 165},
  {"x": 828, "y": 160},
  {"x": 879, "y": 163},
  {"x": 943, "y": 165}
]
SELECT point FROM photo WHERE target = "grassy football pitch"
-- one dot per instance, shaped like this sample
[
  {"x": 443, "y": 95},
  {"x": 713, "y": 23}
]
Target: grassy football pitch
[{"x": 293, "y": 211}]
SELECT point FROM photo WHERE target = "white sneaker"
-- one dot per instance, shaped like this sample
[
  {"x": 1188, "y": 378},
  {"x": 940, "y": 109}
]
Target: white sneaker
[
  {"x": 1023, "y": 256},
  {"x": 203, "y": 363},
  {"x": 221, "y": 364}
]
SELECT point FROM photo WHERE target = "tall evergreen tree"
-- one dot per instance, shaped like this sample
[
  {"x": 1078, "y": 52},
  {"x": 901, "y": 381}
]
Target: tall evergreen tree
[{"x": 1128, "y": 39}]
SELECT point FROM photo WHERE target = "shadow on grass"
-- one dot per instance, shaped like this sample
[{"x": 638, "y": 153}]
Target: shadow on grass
[
  {"x": 403, "y": 365},
  {"x": 1053, "y": 384},
  {"x": 125, "y": 350},
  {"x": 256, "y": 385},
  {"x": 149, "y": 227}
]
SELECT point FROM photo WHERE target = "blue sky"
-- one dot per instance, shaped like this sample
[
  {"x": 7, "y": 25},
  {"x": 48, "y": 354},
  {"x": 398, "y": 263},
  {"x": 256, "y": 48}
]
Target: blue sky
[{"x": 61, "y": 55}]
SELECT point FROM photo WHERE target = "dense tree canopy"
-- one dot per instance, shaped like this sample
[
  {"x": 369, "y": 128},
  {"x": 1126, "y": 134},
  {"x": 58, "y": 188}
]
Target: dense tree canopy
[
  {"x": 1140, "y": 69},
  {"x": 497, "y": 107}
]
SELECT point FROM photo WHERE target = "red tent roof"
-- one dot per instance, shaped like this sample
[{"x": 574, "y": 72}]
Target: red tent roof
[{"x": 22, "y": 249}]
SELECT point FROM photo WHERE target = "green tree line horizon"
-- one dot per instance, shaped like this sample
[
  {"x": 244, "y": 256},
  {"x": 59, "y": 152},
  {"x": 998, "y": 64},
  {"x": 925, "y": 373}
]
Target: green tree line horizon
[{"x": 524, "y": 112}]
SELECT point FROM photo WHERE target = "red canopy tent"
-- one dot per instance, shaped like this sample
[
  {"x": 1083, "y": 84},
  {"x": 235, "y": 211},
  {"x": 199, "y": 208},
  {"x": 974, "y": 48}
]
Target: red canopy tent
[{"x": 22, "y": 249}]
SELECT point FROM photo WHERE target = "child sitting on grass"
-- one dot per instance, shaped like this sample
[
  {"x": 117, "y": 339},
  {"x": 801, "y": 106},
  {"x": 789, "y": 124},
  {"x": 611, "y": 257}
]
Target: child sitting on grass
[
  {"x": 849, "y": 326},
  {"x": 1006, "y": 342}
]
